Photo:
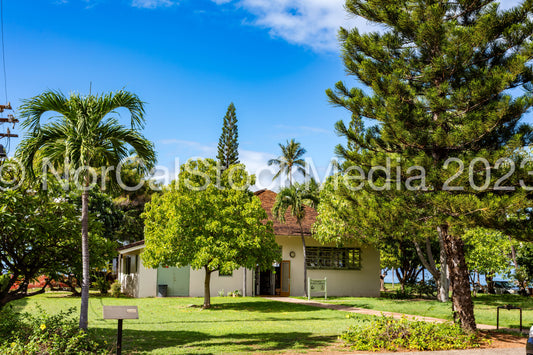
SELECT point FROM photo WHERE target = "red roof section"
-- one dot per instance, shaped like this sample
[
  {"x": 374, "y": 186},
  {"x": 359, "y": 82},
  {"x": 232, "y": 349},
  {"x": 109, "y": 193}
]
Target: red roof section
[{"x": 290, "y": 226}]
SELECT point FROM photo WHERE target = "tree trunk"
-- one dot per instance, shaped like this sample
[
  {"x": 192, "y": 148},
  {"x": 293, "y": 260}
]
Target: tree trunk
[
  {"x": 521, "y": 284},
  {"x": 459, "y": 278},
  {"x": 490, "y": 284},
  {"x": 305, "y": 258},
  {"x": 443, "y": 291},
  {"x": 207, "y": 288},
  {"x": 84, "y": 311},
  {"x": 382, "y": 280},
  {"x": 440, "y": 276}
]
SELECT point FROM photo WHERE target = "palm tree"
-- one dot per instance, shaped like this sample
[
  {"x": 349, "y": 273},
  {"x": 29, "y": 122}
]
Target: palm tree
[
  {"x": 291, "y": 157},
  {"x": 295, "y": 198},
  {"x": 83, "y": 136}
]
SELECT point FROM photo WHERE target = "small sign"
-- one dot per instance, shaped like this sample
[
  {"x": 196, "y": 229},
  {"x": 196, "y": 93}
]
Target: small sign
[
  {"x": 317, "y": 285},
  {"x": 121, "y": 312}
]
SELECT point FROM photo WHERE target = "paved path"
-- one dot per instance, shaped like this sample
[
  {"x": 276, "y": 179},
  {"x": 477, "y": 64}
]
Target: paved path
[
  {"x": 371, "y": 312},
  {"x": 503, "y": 351}
]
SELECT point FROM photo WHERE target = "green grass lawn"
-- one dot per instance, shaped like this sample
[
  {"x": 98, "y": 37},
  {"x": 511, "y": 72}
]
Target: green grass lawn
[
  {"x": 179, "y": 325},
  {"x": 484, "y": 308}
]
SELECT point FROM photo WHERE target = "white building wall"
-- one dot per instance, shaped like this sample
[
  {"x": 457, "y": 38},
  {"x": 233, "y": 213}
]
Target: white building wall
[
  {"x": 355, "y": 283},
  {"x": 226, "y": 283},
  {"x": 141, "y": 281},
  {"x": 148, "y": 285}
]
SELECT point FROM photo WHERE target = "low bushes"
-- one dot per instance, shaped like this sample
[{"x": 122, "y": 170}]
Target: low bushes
[
  {"x": 23, "y": 333},
  {"x": 393, "y": 334}
]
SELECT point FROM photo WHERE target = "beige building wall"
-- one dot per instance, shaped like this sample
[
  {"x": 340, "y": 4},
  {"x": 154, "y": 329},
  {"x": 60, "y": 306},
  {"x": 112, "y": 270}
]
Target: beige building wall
[
  {"x": 226, "y": 283},
  {"x": 148, "y": 286},
  {"x": 141, "y": 282},
  {"x": 355, "y": 283}
]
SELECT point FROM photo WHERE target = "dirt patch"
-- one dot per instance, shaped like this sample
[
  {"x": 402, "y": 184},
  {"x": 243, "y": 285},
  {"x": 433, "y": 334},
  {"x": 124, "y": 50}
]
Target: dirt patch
[{"x": 500, "y": 340}]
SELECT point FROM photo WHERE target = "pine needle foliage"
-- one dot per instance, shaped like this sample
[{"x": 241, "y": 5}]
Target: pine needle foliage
[
  {"x": 228, "y": 144},
  {"x": 443, "y": 86}
]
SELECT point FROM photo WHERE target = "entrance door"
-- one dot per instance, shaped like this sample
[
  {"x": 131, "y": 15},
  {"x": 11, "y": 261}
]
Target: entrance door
[{"x": 285, "y": 278}]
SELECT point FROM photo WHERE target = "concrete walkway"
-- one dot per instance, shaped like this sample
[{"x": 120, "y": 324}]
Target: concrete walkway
[
  {"x": 501, "y": 351},
  {"x": 372, "y": 312}
]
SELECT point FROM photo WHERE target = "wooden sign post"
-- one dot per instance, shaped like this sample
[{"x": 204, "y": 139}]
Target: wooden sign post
[{"x": 120, "y": 313}]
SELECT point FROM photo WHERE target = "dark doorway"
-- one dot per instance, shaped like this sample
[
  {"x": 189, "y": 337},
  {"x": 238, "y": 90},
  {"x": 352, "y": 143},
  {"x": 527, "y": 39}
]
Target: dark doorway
[{"x": 268, "y": 283}]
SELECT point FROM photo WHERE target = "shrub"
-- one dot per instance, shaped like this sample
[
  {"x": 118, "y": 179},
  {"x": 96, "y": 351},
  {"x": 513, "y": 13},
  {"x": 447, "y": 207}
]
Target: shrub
[
  {"x": 45, "y": 334},
  {"x": 116, "y": 289},
  {"x": 392, "y": 334},
  {"x": 101, "y": 283},
  {"x": 221, "y": 293}
]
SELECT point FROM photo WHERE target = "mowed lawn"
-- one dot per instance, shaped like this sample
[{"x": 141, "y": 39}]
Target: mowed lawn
[
  {"x": 233, "y": 325},
  {"x": 484, "y": 308}
]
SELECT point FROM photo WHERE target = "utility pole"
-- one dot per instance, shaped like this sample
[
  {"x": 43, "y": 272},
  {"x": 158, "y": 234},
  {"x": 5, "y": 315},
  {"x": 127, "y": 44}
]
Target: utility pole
[{"x": 9, "y": 119}]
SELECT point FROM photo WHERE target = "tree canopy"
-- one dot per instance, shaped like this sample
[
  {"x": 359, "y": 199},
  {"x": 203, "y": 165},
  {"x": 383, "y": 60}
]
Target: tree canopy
[
  {"x": 211, "y": 222},
  {"x": 436, "y": 102},
  {"x": 84, "y": 136},
  {"x": 228, "y": 145},
  {"x": 36, "y": 235}
]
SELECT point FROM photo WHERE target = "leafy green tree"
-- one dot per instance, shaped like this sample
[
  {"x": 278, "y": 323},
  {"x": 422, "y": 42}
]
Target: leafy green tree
[
  {"x": 228, "y": 145},
  {"x": 487, "y": 253},
  {"x": 84, "y": 135},
  {"x": 437, "y": 81},
  {"x": 132, "y": 201},
  {"x": 390, "y": 221},
  {"x": 525, "y": 260},
  {"x": 295, "y": 199},
  {"x": 208, "y": 224},
  {"x": 105, "y": 220},
  {"x": 290, "y": 158},
  {"x": 35, "y": 236}
]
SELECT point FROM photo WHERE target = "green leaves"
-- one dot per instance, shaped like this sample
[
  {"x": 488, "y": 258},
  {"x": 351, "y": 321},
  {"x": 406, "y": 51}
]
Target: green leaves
[{"x": 200, "y": 220}]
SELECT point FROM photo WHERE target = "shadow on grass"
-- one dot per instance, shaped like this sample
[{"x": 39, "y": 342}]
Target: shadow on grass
[
  {"x": 255, "y": 320},
  {"x": 501, "y": 300},
  {"x": 263, "y": 307},
  {"x": 198, "y": 342}
]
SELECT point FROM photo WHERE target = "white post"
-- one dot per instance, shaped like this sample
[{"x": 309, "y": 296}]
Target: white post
[
  {"x": 308, "y": 288},
  {"x": 244, "y": 283},
  {"x": 325, "y": 288}
]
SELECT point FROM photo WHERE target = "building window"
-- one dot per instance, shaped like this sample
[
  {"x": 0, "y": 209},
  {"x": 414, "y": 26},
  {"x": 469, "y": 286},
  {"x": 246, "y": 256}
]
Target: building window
[
  {"x": 222, "y": 273},
  {"x": 333, "y": 258},
  {"x": 130, "y": 264}
]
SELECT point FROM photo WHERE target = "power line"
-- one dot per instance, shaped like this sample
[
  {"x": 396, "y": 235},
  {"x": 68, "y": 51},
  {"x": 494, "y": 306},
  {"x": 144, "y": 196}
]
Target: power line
[{"x": 3, "y": 45}]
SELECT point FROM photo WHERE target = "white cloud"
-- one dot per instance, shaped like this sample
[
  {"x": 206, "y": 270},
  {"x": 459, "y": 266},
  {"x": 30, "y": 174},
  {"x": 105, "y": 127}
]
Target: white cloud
[
  {"x": 312, "y": 23},
  {"x": 152, "y": 4}
]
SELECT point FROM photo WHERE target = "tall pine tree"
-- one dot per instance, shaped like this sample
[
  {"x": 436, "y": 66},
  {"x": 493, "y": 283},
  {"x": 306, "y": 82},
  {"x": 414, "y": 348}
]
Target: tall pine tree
[
  {"x": 227, "y": 144},
  {"x": 439, "y": 95}
]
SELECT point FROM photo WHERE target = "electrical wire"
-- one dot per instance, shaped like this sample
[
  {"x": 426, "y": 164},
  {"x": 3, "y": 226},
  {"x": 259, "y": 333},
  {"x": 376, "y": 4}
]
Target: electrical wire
[{"x": 3, "y": 46}]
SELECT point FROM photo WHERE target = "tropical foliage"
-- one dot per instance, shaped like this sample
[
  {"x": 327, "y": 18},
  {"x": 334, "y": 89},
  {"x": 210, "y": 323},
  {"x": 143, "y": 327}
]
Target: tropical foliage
[
  {"x": 208, "y": 224},
  {"x": 436, "y": 103},
  {"x": 83, "y": 136},
  {"x": 290, "y": 158}
]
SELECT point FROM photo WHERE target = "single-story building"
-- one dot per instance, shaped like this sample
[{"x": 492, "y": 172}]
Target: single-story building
[{"x": 352, "y": 270}]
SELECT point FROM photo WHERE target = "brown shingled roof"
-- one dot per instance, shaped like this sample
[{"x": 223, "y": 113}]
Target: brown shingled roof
[{"x": 290, "y": 227}]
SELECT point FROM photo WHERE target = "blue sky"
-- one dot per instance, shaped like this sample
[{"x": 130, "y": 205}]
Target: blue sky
[{"x": 188, "y": 60}]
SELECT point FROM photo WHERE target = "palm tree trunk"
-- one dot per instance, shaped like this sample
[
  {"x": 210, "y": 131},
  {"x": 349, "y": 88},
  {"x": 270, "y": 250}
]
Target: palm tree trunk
[
  {"x": 84, "y": 311},
  {"x": 305, "y": 258}
]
